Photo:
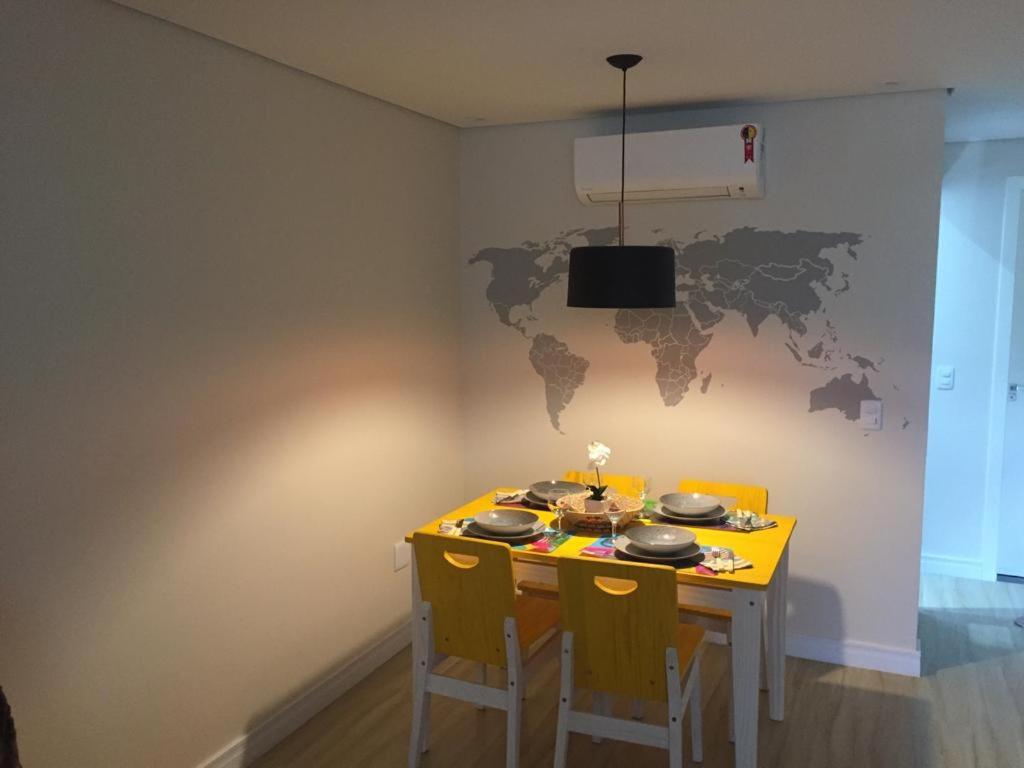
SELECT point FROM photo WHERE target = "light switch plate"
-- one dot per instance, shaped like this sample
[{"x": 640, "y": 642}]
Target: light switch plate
[
  {"x": 945, "y": 377},
  {"x": 870, "y": 414},
  {"x": 402, "y": 555}
]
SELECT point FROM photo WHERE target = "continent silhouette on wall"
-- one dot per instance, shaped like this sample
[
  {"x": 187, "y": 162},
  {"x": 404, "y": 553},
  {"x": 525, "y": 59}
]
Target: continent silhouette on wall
[{"x": 757, "y": 274}]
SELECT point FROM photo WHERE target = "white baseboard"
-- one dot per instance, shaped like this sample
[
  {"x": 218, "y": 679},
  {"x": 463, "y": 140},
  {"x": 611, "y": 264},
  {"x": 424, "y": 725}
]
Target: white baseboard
[
  {"x": 247, "y": 747},
  {"x": 853, "y": 653},
  {"x": 963, "y": 567}
]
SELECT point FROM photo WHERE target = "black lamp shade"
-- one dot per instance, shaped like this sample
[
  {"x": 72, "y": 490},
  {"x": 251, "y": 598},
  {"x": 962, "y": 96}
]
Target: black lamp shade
[{"x": 622, "y": 277}]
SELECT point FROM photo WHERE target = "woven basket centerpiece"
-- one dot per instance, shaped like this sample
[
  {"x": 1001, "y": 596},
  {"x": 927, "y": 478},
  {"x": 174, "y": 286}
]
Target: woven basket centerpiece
[{"x": 574, "y": 511}]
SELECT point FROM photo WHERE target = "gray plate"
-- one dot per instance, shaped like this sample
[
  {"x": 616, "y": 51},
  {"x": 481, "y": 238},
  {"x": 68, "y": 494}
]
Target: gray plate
[
  {"x": 666, "y": 516},
  {"x": 506, "y": 522},
  {"x": 666, "y": 540},
  {"x": 476, "y": 532},
  {"x": 555, "y": 489},
  {"x": 690, "y": 504},
  {"x": 625, "y": 547},
  {"x": 536, "y": 502}
]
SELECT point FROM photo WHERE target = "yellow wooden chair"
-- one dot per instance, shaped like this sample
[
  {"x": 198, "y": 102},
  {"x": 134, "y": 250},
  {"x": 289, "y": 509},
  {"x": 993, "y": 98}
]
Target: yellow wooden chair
[
  {"x": 466, "y": 606},
  {"x": 621, "y": 635},
  {"x": 754, "y": 498},
  {"x": 750, "y": 497},
  {"x": 628, "y": 485}
]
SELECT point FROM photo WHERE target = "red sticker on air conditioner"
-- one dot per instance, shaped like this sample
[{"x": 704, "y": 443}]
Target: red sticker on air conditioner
[{"x": 748, "y": 133}]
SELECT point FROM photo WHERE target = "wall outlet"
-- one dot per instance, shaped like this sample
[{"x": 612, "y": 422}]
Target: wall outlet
[
  {"x": 945, "y": 377},
  {"x": 870, "y": 414},
  {"x": 403, "y": 552}
]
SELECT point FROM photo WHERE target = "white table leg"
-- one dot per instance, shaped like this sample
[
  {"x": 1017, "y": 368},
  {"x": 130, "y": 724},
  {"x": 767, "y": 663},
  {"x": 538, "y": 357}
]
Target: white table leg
[
  {"x": 775, "y": 639},
  {"x": 746, "y": 663}
]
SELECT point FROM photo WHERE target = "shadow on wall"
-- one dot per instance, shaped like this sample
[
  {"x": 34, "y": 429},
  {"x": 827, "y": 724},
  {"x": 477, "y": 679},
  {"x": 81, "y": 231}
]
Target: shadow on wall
[
  {"x": 311, "y": 723},
  {"x": 820, "y": 600},
  {"x": 8, "y": 736}
]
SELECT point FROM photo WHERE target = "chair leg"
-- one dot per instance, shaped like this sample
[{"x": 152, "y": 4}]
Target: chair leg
[
  {"x": 696, "y": 717},
  {"x": 423, "y": 651},
  {"x": 564, "y": 703},
  {"x": 513, "y": 726},
  {"x": 514, "y": 699},
  {"x": 481, "y": 676},
  {"x": 420, "y": 710},
  {"x": 601, "y": 705},
  {"x": 675, "y": 710}
]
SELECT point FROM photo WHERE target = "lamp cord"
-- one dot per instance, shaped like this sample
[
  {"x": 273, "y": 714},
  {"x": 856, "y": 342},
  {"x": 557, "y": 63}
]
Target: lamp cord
[{"x": 622, "y": 178}]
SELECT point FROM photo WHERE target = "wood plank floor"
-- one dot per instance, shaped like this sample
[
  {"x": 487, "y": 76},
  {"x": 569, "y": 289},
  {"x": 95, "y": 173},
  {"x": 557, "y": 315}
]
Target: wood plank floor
[{"x": 966, "y": 711}]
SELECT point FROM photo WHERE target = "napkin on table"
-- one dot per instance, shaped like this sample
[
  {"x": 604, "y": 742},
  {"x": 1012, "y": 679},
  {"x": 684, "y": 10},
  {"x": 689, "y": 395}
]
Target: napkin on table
[{"x": 510, "y": 497}]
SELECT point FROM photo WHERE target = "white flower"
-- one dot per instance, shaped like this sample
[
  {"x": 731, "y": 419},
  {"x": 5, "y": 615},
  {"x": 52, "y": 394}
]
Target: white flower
[{"x": 598, "y": 454}]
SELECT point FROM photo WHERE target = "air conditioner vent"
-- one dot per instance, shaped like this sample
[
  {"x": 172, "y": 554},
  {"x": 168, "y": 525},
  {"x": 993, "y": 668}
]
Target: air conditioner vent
[{"x": 693, "y": 164}]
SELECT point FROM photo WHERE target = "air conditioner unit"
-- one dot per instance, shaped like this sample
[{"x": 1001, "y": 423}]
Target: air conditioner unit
[{"x": 723, "y": 162}]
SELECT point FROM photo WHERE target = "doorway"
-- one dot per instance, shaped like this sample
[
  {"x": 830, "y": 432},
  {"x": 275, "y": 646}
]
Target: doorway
[
  {"x": 1007, "y": 428},
  {"x": 974, "y": 476}
]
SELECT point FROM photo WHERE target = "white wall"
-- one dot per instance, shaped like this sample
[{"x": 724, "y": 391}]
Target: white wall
[
  {"x": 865, "y": 165},
  {"x": 228, "y": 332},
  {"x": 970, "y": 238}
]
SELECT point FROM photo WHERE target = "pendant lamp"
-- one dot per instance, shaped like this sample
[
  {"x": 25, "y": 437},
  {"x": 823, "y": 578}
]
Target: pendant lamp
[{"x": 622, "y": 276}]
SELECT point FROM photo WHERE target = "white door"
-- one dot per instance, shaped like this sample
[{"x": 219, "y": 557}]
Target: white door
[{"x": 1010, "y": 560}]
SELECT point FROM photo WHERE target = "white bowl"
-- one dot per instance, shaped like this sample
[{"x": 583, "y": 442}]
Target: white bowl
[
  {"x": 506, "y": 522},
  {"x": 690, "y": 504},
  {"x": 660, "y": 539}
]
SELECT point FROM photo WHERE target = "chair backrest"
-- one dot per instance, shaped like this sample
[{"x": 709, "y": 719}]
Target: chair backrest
[
  {"x": 623, "y": 617},
  {"x": 471, "y": 591},
  {"x": 629, "y": 485},
  {"x": 752, "y": 497}
]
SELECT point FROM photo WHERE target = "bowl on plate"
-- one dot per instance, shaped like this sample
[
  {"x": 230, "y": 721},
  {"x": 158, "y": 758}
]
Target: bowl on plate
[
  {"x": 552, "y": 490},
  {"x": 690, "y": 504},
  {"x": 660, "y": 539},
  {"x": 506, "y": 522}
]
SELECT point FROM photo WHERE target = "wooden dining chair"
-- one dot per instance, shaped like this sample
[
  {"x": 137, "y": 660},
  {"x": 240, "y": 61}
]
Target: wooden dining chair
[
  {"x": 466, "y": 606},
  {"x": 621, "y": 635},
  {"x": 628, "y": 485},
  {"x": 754, "y": 498}
]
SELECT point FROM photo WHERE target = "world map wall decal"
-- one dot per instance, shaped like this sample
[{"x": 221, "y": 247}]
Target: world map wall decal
[{"x": 759, "y": 274}]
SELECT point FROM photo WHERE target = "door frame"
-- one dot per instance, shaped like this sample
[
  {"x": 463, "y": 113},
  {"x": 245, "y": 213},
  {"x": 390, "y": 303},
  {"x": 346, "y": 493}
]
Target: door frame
[{"x": 1000, "y": 375}]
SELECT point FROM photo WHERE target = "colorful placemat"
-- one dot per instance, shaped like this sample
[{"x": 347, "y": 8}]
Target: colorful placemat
[
  {"x": 603, "y": 547},
  {"x": 549, "y": 542}
]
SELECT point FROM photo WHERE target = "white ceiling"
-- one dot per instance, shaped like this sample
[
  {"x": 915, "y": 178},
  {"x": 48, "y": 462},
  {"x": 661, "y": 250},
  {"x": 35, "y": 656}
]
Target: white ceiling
[{"x": 481, "y": 62}]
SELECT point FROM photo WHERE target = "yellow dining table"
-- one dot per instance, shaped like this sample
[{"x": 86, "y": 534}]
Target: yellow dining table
[{"x": 755, "y": 597}]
